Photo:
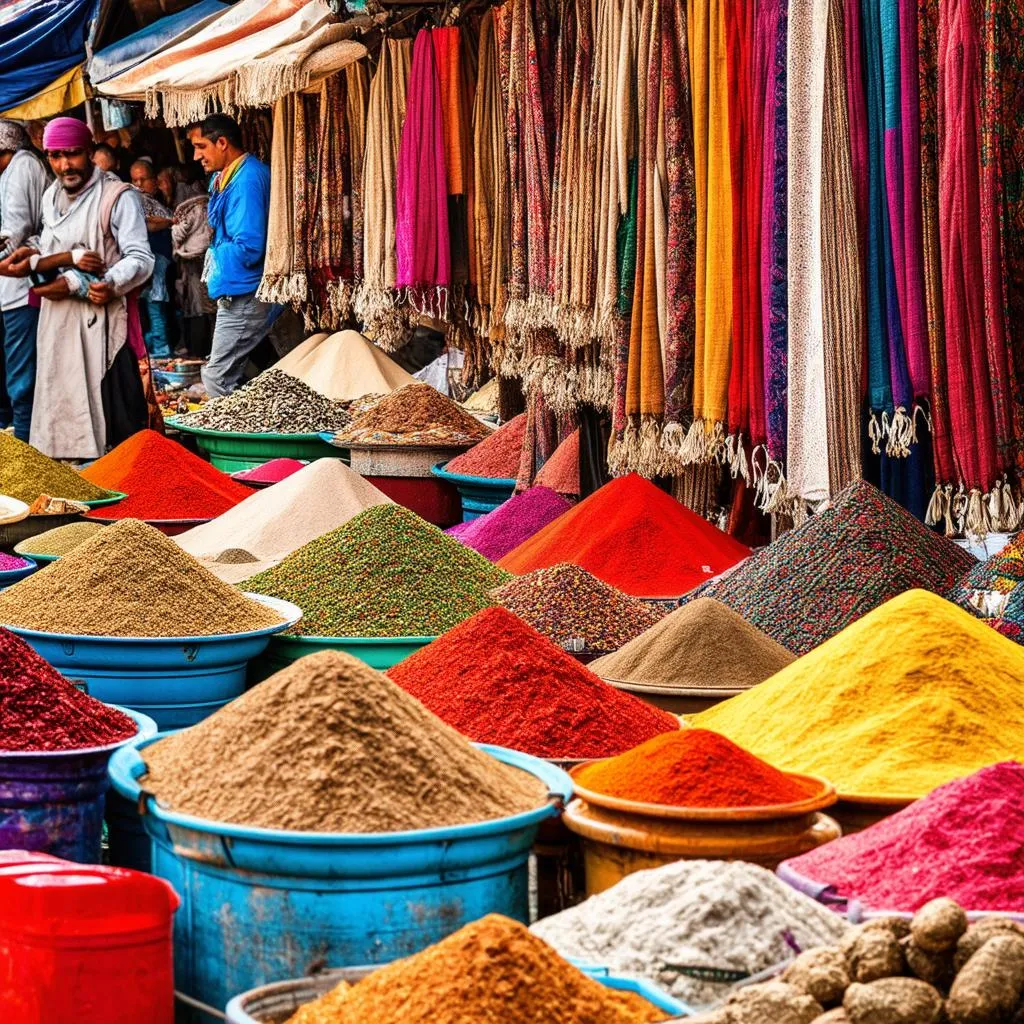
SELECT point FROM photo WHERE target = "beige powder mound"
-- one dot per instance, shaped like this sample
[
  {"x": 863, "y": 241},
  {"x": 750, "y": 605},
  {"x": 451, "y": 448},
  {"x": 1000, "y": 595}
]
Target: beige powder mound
[
  {"x": 330, "y": 745},
  {"x": 344, "y": 366},
  {"x": 275, "y": 521}
]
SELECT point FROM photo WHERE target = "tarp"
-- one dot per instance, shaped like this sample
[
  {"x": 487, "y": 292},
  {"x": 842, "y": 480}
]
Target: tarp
[
  {"x": 128, "y": 53},
  {"x": 40, "y": 40},
  {"x": 67, "y": 92}
]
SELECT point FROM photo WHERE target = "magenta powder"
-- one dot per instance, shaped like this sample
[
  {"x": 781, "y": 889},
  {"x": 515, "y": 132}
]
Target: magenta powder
[
  {"x": 11, "y": 562},
  {"x": 272, "y": 472},
  {"x": 497, "y": 533},
  {"x": 964, "y": 840}
]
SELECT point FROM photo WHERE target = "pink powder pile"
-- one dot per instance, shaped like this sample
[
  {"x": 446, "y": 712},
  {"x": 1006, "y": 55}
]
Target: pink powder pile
[
  {"x": 963, "y": 840},
  {"x": 10, "y": 562},
  {"x": 272, "y": 472},
  {"x": 497, "y": 533}
]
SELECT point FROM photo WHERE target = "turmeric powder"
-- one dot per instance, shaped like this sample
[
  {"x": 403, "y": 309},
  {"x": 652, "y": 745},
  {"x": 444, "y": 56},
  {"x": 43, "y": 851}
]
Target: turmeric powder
[{"x": 913, "y": 695}]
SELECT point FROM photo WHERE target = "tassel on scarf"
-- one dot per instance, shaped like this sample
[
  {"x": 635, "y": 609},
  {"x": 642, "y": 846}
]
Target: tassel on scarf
[
  {"x": 695, "y": 448},
  {"x": 900, "y": 433},
  {"x": 876, "y": 433},
  {"x": 977, "y": 523},
  {"x": 938, "y": 507}
]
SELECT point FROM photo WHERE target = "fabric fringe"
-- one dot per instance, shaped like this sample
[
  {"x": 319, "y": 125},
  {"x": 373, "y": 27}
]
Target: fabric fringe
[
  {"x": 181, "y": 107},
  {"x": 284, "y": 290},
  {"x": 899, "y": 432},
  {"x": 975, "y": 514}
]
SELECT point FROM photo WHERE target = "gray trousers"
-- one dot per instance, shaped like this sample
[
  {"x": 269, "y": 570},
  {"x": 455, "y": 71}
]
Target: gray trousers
[{"x": 242, "y": 323}]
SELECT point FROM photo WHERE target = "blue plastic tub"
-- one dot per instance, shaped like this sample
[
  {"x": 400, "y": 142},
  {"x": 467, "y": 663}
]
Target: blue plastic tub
[
  {"x": 176, "y": 681},
  {"x": 262, "y": 904},
  {"x": 11, "y": 576},
  {"x": 479, "y": 494},
  {"x": 52, "y": 801}
]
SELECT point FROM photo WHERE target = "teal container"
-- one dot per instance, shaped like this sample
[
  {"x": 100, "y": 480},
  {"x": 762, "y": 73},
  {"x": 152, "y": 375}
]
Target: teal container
[
  {"x": 233, "y": 452},
  {"x": 479, "y": 494},
  {"x": 115, "y": 497},
  {"x": 378, "y": 652},
  {"x": 260, "y": 905},
  {"x": 11, "y": 576}
]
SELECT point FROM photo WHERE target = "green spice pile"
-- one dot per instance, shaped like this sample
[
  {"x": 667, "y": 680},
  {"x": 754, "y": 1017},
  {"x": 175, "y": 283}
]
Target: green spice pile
[
  {"x": 387, "y": 572},
  {"x": 25, "y": 473},
  {"x": 130, "y": 580},
  {"x": 273, "y": 403},
  {"x": 59, "y": 541},
  {"x": 579, "y": 611}
]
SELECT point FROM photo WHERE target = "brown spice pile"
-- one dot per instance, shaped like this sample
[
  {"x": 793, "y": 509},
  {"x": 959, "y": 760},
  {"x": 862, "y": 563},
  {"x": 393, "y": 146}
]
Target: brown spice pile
[
  {"x": 703, "y": 644},
  {"x": 130, "y": 580},
  {"x": 490, "y": 970},
  {"x": 415, "y": 414},
  {"x": 330, "y": 745}
]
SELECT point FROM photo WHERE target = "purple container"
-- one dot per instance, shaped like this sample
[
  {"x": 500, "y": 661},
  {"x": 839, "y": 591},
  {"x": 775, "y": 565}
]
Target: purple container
[{"x": 52, "y": 802}]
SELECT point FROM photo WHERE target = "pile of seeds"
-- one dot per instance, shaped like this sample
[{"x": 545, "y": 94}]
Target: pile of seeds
[
  {"x": 497, "y": 533},
  {"x": 26, "y": 473},
  {"x": 568, "y": 605},
  {"x": 8, "y": 563},
  {"x": 130, "y": 580},
  {"x": 387, "y": 572},
  {"x": 58, "y": 541},
  {"x": 416, "y": 414},
  {"x": 330, "y": 745},
  {"x": 274, "y": 403},
  {"x": 496, "y": 457}
]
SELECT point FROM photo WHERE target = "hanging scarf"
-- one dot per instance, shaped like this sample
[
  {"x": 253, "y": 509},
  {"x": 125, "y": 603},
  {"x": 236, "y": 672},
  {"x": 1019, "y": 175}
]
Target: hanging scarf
[
  {"x": 357, "y": 95},
  {"x": 422, "y": 243}
]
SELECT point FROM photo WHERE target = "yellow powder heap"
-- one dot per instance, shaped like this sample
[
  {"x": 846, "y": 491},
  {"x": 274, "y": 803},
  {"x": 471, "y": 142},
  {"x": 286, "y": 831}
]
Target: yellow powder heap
[{"x": 913, "y": 695}]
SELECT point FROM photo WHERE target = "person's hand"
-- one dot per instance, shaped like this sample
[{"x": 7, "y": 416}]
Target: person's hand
[
  {"x": 92, "y": 263},
  {"x": 55, "y": 290},
  {"x": 100, "y": 293},
  {"x": 18, "y": 263}
]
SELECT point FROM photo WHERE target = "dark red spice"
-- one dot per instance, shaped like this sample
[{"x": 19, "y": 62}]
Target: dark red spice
[
  {"x": 41, "y": 710},
  {"x": 163, "y": 481},
  {"x": 497, "y": 680},
  {"x": 497, "y": 456}
]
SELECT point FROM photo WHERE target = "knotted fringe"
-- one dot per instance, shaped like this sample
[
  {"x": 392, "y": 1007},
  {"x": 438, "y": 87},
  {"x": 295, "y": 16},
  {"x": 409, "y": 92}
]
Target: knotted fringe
[
  {"x": 283, "y": 289},
  {"x": 973, "y": 513},
  {"x": 574, "y": 325},
  {"x": 771, "y": 491},
  {"x": 875, "y": 433},
  {"x": 186, "y": 106},
  {"x": 428, "y": 301},
  {"x": 899, "y": 433},
  {"x": 340, "y": 297},
  {"x": 735, "y": 457}
]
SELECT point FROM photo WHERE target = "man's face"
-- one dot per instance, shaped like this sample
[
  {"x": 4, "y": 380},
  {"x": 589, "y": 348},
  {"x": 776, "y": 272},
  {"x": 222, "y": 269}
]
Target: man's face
[
  {"x": 143, "y": 178},
  {"x": 104, "y": 160},
  {"x": 73, "y": 167},
  {"x": 165, "y": 181},
  {"x": 212, "y": 155}
]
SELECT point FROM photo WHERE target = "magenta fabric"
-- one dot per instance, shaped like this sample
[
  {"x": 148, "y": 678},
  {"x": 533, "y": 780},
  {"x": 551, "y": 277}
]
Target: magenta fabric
[{"x": 67, "y": 133}]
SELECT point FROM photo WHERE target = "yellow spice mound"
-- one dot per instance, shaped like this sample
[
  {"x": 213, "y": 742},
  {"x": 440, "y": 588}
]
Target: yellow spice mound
[{"x": 913, "y": 695}]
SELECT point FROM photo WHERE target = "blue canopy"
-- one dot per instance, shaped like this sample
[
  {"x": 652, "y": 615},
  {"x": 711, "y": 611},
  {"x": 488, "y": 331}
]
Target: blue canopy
[{"x": 39, "y": 41}]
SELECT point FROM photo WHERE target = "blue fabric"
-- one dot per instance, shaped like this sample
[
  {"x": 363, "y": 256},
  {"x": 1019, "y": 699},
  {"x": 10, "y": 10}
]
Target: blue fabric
[
  {"x": 38, "y": 43},
  {"x": 156, "y": 328},
  {"x": 238, "y": 217},
  {"x": 19, "y": 360},
  {"x": 127, "y": 53}
]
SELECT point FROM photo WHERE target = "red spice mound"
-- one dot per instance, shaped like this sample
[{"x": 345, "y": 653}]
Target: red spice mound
[
  {"x": 634, "y": 536},
  {"x": 562, "y": 471},
  {"x": 41, "y": 710},
  {"x": 497, "y": 680},
  {"x": 692, "y": 768},
  {"x": 163, "y": 480},
  {"x": 497, "y": 456}
]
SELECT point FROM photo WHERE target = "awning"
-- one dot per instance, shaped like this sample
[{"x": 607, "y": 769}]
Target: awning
[{"x": 67, "y": 92}]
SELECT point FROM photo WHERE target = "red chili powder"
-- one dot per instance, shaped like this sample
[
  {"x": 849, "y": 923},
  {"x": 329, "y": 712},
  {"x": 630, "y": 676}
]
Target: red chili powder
[
  {"x": 497, "y": 680},
  {"x": 562, "y": 471},
  {"x": 41, "y": 710},
  {"x": 634, "y": 536},
  {"x": 496, "y": 456},
  {"x": 692, "y": 768},
  {"x": 963, "y": 840},
  {"x": 163, "y": 480},
  {"x": 272, "y": 472}
]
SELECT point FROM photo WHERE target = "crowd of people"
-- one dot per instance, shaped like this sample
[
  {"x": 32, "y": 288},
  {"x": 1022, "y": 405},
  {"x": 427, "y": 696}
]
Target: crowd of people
[{"x": 108, "y": 259}]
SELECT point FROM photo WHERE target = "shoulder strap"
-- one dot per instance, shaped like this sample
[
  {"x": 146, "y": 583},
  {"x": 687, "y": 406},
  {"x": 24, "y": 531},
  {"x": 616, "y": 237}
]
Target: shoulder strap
[{"x": 112, "y": 191}]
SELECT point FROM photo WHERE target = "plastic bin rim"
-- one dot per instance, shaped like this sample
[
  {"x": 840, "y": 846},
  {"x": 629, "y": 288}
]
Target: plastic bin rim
[
  {"x": 127, "y": 765},
  {"x": 30, "y": 564},
  {"x": 291, "y": 612},
  {"x": 113, "y": 499},
  {"x": 479, "y": 481},
  {"x": 173, "y": 421},
  {"x": 146, "y": 731},
  {"x": 357, "y": 641}
]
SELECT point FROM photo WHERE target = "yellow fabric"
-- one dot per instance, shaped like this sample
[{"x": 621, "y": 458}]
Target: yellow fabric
[
  {"x": 66, "y": 92},
  {"x": 223, "y": 179},
  {"x": 915, "y": 694}
]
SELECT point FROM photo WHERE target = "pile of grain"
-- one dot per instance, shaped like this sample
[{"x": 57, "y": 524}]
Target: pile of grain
[
  {"x": 25, "y": 473},
  {"x": 59, "y": 541}
]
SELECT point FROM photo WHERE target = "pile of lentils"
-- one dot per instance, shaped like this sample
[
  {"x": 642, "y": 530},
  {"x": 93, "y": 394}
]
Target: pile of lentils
[
  {"x": 387, "y": 572},
  {"x": 58, "y": 541},
  {"x": 275, "y": 402},
  {"x": 577, "y": 610}
]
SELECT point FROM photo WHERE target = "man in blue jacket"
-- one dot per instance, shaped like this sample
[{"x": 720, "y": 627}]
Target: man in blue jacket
[{"x": 239, "y": 210}]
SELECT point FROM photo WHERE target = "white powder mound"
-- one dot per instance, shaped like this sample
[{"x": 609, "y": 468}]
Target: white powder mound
[
  {"x": 274, "y": 522},
  {"x": 694, "y": 914}
]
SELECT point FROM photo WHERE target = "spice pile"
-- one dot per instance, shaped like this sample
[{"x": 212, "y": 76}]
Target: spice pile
[
  {"x": 272, "y": 472},
  {"x": 484, "y": 401},
  {"x": 497, "y": 456},
  {"x": 703, "y": 645},
  {"x": 568, "y": 605},
  {"x": 41, "y": 710},
  {"x": 634, "y": 536},
  {"x": 692, "y": 768},
  {"x": 273, "y": 523},
  {"x": 490, "y": 970},
  {"x": 913, "y": 695},
  {"x": 562, "y": 471},
  {"x": 130, "y": 580},
  {"x": 26, "y": 473},
  {"x": 415, "y": 414},
  {"x": 853, "y": 556},
  {"x": 330, "y": 745},
  {"x": 272, "y": 403},
  {"x": 963, "y": 840},
  {"x": 163, "y": 481},
  {"x": 498, "y": 681},
  {"x": 681, "y": 923},
  {"x": 344, "y": 366},
  {"x": 497, "y": 533},
  {"x": 58, "y": 541},
  {"x": 8, "y": 563},
  {"x": 992, "y": 589},
  {"x": 934, "y": 969},
  {"x": 387, "y": 572}
]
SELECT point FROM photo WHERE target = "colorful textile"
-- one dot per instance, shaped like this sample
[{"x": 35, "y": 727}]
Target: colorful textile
[
  {"x": 67, "y": 133},
  {"x": 994, "y": 590},
  {"x": 65, "y": 93}
]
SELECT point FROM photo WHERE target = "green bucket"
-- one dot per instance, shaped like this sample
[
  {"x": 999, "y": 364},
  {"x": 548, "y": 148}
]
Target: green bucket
[
  {"x": 379, "y": 652},
  {"x": 232, "y": 452},
  {"x": 115, "y": 497}
]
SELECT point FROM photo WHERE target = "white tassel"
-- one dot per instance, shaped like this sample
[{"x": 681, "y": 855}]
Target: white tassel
[
  {"x": 938, "y": 507},
  {"x": 876, "y": 432}
]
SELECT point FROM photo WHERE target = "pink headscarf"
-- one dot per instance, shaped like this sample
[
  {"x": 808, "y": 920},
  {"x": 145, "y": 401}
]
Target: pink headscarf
[{"x": 67, "y": 133}]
